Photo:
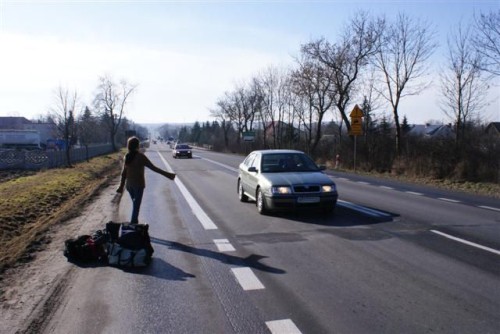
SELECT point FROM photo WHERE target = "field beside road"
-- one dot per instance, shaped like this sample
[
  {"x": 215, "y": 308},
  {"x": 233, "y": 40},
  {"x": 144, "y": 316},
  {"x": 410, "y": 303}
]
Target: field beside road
[{"x": 33, "y": 202}]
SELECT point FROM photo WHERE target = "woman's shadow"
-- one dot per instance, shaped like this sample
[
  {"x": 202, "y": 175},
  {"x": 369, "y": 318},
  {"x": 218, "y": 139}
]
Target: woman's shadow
[
  {"x": 252, "y": 261},
  {"x": 159, "y": 268}
]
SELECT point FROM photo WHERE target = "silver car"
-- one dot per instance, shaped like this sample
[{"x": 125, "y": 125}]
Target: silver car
[
  {"x": 182, "y": 150},
  {"x": 284, "y": 179}
]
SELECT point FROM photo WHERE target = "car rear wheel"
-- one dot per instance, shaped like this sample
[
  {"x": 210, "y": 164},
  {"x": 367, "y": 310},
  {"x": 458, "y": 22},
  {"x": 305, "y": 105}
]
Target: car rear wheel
[
  {"x": 261, "y": 204},
  {"x": 241, "y": 195}
]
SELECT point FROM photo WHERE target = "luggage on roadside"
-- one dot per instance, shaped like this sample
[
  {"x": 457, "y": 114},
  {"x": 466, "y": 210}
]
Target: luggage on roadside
[
  {"x": 119, "y": 244},
  {"x": 125, "y": 257},
  {"x": 86, "y": 248},
  {"x": 129, "y": 245}
]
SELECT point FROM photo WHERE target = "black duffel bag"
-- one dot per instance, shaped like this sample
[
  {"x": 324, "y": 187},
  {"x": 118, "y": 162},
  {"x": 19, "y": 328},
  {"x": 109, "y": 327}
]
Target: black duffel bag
[{"x": 129, "y": 245}]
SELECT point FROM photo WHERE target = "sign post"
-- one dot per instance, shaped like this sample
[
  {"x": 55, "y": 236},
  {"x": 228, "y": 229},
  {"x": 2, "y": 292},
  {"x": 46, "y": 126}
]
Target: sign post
[
  {"x": 356, "y": 127},
  {"x": 248, "y": 136}
]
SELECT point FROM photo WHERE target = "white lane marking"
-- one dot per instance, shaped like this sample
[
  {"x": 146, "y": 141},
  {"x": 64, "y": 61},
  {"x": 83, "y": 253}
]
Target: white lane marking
[
  {"x": 414, "y": 193},
  {"x": 223, "y": 245},
  {"x": 222, "y": 165},
  {"x": 489, "y": 208},
  {"x": 449, "y": 200},
  {"x": 488, "y": 249},
  {"x": 368, "y": 211},
  {"x": 285, "y": 326},
  {"x": 342, "y": 178},
  {"x": 205, "y": 221},
  {"x": 247, "y": 279},
  {"x": 362, "y": 182},
  {"x": 386, "y": 187}
]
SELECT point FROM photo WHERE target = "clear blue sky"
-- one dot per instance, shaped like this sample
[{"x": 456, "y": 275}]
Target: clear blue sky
[{"x": 185, "y": 54}]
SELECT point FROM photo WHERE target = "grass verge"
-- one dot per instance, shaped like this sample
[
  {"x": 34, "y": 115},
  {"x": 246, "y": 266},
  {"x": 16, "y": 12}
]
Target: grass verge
[{"x": 32, "y": 203}]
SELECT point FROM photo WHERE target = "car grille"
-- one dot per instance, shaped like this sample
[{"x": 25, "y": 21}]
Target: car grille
[{"x": 304, "y": 188}]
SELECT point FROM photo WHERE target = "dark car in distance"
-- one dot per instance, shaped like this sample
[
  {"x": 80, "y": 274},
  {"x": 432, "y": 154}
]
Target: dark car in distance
[
  {"x": 284, "y": 179},
  {"x": 182, "y": 150}
]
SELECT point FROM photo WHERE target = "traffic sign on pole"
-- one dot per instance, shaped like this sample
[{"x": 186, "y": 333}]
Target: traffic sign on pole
[
  {"x": 356, "y": 112},
  {"x": 356, "y": 127}
]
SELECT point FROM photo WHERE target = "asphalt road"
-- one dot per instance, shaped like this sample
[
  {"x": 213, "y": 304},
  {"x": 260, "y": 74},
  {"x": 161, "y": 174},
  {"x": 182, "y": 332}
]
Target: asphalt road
[{"x": 394, "y": 258}]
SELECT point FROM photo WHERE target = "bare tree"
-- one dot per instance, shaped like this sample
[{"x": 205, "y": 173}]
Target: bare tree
[
  {"x": 463, "y": 90},
  {"x": 487, "y": 41},
  {"x": 110, "y": 103},
  {"x": 313, "y": 82},
  {"x": 221, "y": 113},
  {"x": 272, "y": 86},
  {"x": 405, "y": 48},
  {"x": 63, "y": 113},
  {"x": 347, "y": 58},
  {"x": 234, "y": 107},
  {"x": 371, "y": 100}
]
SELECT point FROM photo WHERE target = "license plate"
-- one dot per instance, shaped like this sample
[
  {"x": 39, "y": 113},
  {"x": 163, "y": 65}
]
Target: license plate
[{"x": 308, "y": 200}]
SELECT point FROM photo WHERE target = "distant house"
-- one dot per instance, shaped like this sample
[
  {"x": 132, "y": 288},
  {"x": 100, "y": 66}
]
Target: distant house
[
  {"x": 280, "y": 129},
  {"x": 13, "y": 123},
  {"x": 431, "y": 131},
  {"x": 47, "y": 131},
  {"x": 493, "y": 129}
]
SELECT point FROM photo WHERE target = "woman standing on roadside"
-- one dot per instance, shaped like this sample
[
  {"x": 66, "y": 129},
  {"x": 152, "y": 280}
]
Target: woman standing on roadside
[{"x": 132, "y": 177}]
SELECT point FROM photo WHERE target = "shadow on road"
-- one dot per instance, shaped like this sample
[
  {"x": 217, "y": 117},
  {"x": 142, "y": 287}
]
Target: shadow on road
[
  {"x": 161, "y": 269},
  {"x": 252, "y": 261}
]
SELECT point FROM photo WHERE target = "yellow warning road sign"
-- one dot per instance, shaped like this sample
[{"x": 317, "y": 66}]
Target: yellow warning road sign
[{"x": 356, "y": 112}]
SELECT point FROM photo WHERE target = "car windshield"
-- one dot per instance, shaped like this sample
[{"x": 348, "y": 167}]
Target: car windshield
[
  {"x": 287, "y": 162},
  {"x": 182, "y": 147}
]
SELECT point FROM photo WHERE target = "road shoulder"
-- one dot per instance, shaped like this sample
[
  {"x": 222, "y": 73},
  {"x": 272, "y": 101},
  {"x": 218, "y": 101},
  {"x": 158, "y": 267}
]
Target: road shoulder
[{"x": 32, "y": 289}]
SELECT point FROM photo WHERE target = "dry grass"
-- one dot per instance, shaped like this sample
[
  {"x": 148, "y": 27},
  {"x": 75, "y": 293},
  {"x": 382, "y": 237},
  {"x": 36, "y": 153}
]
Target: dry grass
[{"x": 33, "y": 202}]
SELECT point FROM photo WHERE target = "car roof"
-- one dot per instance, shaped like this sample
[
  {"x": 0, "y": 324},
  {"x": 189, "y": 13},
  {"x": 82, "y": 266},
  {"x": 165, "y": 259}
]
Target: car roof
[{"x": 277, "y": 151}]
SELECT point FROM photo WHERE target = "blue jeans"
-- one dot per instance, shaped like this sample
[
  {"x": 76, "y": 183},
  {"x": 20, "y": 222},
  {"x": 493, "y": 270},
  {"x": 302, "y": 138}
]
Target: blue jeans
[{"x": 136, "y": 196}]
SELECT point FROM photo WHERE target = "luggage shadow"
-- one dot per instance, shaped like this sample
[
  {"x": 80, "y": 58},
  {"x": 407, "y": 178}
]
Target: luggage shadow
[
  {"x": 252, "y": 261},
  {"x": 161, "y": 269}
]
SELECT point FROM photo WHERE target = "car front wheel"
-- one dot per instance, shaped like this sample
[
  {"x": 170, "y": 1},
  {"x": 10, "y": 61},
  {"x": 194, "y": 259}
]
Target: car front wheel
[
  {"x": 241, "y": 195},
  {"x": 261, "y": 204}
]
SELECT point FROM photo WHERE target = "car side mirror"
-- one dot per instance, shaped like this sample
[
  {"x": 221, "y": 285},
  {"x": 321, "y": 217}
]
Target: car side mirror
[{"x": 252, "y": 169}]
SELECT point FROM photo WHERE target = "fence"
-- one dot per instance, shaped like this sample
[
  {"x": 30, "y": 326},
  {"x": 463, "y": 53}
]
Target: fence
[{"x": 34, "y": 160}]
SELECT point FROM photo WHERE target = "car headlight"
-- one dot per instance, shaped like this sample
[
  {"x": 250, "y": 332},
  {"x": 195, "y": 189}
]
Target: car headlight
[
  {"x": 328, "y": 188},
  {"x": 283, "y": 190}
]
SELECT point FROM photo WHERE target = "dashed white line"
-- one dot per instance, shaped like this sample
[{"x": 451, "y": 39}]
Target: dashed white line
[
  {"x": 247, "y": 279},
  {"x": 386, "y": 187},
  {"x": 489, "y": 208},
  {"x": 414, "y": 193},
  {"x": 473, "y": 244},
  {"x": 449, "y": 200},
  {"x": 362, "y": 182},
  {"x": 223, "y": 245},
  {"x": 285, "y": 326},
  {"x": 222, "y": 165},
  {"x": 205, "y": 221}
]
